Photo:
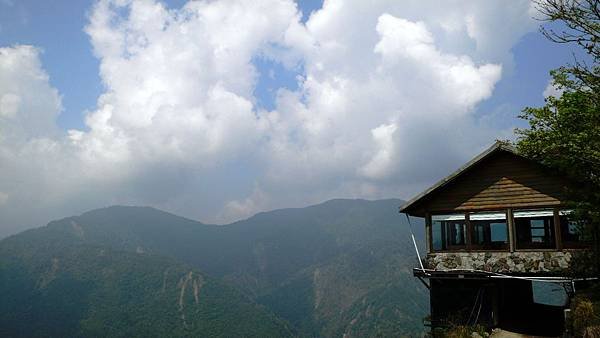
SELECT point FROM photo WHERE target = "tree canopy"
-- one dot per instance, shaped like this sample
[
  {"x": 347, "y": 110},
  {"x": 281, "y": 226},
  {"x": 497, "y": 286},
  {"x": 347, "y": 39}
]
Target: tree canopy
[{"x": 565, "y": 133}]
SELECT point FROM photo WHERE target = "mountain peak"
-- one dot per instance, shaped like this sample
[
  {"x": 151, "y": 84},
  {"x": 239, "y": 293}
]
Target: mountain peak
[{"x": 316, "y": 268}]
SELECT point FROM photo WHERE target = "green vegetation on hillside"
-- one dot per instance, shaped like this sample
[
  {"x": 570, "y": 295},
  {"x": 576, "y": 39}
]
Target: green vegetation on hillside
[
  {"x": 341, "y": 267},
  {"x": 57, "y": 288}
]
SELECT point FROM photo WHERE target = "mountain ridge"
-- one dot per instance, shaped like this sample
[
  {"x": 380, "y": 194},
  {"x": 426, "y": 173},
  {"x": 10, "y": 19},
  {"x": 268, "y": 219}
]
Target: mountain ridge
[
  {"x": 146, "y": 207},
  {"x": 323, "y": 269}
]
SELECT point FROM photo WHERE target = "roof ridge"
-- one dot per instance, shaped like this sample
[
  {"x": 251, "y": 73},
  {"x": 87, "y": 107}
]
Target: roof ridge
[{"x": 498, "y": 145}]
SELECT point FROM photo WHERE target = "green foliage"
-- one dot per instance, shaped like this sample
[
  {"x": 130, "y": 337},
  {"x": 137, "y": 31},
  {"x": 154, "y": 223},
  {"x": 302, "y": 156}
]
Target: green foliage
[
  {"x": 581, "y": 22},
  {"x": 344, "y": 266},
  {"x": 585, "y": 309},
  {"x": 295, "y": 301},
  {"x": 582, "y": 315},
  {"x": 56, "y": 288},
  {"x": 564, "y": 134},
  {"x": 389, "y": 311},
  {"x": 461, "y": 331}
]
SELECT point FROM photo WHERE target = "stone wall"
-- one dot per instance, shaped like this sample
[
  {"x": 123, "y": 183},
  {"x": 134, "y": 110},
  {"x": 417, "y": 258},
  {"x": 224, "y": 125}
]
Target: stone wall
[{"x": 501, "y": 262}]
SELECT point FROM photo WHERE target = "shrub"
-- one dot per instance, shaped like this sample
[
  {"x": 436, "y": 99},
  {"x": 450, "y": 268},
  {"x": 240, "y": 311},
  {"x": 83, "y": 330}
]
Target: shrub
[{"x": 582, "y": 316}]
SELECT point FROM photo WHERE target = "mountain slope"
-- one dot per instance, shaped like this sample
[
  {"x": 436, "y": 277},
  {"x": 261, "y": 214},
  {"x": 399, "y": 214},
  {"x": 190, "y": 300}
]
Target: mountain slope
[
  {"x": 341, "y": 267},
  {"x": 52, "y": 285}
]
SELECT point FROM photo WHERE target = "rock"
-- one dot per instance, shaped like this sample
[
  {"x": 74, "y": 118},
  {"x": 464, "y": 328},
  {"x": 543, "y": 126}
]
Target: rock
[{"x": 502, "y": 262}]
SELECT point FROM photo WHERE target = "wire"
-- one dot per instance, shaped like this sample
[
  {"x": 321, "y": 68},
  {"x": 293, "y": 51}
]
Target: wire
[
  {"x": 480, "y": 306},
  {"x": 415, "y": 244},
  {"x": 473, "y": 308},
  {"x": 547, "y": 279}
]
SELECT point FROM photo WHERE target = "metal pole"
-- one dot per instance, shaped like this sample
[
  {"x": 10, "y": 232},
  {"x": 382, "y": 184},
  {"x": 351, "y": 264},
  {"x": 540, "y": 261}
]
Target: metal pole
[{"x": 415, "y": 243}]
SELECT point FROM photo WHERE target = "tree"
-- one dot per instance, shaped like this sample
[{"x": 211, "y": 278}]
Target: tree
[
  {"x": 581, "y": 19},
  {"x": 564, "y": 134}
]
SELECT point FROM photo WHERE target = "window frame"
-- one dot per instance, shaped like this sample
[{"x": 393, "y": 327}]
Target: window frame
[
  {"x": 468, "y": 246},
  {"x": 446, "y": 247},
  {"x": 553, "y": 245},
  {"x": 570, "y": 244},
  {"x": 557, "y": 238},
  {"x": 487, "y": 229}
]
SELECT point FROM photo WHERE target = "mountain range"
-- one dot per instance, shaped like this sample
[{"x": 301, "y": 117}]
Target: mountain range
[{"x": 340, "y": 268}]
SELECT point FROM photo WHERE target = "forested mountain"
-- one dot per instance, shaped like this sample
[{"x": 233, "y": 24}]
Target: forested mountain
[
  {"x": 341, "y": 267},
  {"x": 51, "y": 284}
]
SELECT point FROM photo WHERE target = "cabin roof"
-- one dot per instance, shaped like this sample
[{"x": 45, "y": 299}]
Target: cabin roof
[{"x": 498, "y": 146}]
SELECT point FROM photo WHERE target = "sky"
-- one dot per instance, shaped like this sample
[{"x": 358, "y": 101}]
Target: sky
[{"x": 217, "y": 110}]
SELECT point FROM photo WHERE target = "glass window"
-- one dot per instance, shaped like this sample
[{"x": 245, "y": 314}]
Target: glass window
[
  {"x": 572, "y": 231},
  {"x": 534, "y": 229},
  {"x": 490, "y": 230},
  {"x": 448, "y": 232},
  {"x": 549, "y": 294}
]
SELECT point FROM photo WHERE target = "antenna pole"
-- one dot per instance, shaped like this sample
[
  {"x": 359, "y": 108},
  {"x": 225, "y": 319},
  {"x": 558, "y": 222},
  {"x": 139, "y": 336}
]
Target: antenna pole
[{"x": 415, "y": 242}]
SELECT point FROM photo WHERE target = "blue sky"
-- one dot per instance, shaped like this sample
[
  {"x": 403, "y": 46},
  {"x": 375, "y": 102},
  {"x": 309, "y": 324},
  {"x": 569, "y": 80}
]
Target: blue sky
[
  {"x": 227, "y": 108},
  {"x": 57, "y": 28}
]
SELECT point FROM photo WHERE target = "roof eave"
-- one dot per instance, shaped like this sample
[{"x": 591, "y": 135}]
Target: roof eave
[{"x": 406, "y": 208}]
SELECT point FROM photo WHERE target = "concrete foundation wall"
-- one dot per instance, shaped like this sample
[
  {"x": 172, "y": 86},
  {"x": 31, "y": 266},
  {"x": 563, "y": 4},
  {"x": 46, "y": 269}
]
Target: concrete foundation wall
[{"x": 501, "y": 262}]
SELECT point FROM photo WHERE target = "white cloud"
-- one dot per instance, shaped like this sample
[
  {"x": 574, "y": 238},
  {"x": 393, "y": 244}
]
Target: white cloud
[
  {"x": 458, "y": 77},
  {"x": 552, "y": 90},
  {"x": 31, "y": 156},
  {"x": 384, "y": 105},
  {"x": 381, "y": 162},
  {"x": 3, "y": 198},
  {"x": 240, "y": 209},
  {"x": 28, "y": 104},
  {"x": 9, "y": 105}
]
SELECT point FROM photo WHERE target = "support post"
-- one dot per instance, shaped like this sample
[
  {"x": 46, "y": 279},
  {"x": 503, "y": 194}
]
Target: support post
[
  {"x": 444, "y": 237},
  {"x": 557, "y": 231},
  {"x": 469, "y": 233},
  {"x": 510, "y": 221},
  {"x": 428, "y": 233}
]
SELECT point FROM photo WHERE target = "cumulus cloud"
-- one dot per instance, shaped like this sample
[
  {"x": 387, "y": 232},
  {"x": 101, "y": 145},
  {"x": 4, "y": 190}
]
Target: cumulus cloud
[
  {"x": 381, "y": 162},
  {"x": 28, "y": 136},
  {"x": 384, "y": 105},
  {"x": 238, "y": 209},
  {"x": 552, "y": 90},
  {"x": 28, "y": 104}
]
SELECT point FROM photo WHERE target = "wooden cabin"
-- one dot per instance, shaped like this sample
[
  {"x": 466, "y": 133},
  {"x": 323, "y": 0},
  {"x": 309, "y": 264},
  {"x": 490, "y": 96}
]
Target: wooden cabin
[{"x": 493, "y": 228}]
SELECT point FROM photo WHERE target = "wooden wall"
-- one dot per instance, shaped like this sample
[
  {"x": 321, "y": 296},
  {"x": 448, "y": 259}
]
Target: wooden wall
[{"x": 503, "y": 180}]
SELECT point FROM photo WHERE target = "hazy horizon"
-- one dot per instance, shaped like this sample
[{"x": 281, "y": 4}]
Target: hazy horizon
[
  {"x": 45, "y": 223},
  {"x": 218, "y": 110}
]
